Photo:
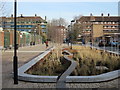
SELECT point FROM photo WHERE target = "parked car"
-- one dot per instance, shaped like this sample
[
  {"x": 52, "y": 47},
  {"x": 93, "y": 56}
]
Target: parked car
[
  {"x": 101, "y": 43},
  {"x": 114, "y": 43},
  {"x": 118, "y": 45}
]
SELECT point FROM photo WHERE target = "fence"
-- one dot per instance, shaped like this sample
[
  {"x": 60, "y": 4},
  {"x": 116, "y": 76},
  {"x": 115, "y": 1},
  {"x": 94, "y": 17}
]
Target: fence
[{"x": 23, "y": 39}]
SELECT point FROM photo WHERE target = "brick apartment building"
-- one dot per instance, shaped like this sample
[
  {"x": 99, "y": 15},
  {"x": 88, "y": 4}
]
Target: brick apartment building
[
  {"x": 24, "y": 23},
  {"x": 28, "y": 27},
  {"x": 1, "y": 37},
  {"x": 99, "y": 27}
]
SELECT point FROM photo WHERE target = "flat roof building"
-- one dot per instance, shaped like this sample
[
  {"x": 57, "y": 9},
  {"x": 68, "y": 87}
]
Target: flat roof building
[{"x": 110, "y": 25}]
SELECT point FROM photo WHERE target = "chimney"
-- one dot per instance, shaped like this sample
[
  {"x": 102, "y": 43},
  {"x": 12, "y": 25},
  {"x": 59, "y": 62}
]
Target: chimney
[
  {"x": 102, "y": 14},
  {"x": 108, "y": 14},
  {"x": 91, "y": 14},
  {"x": 45, "y": 17},
  {"x": 21, "y": 15},
  {"x": 35, "y": 15},
  {"x": 11, "y": 15},
  {"x": 92, "y": 18}
]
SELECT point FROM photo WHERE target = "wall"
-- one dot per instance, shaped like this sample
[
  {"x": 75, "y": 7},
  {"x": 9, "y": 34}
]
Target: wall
[
  {"x": 97, "y": 30},
  {"x": 2, "y": 39}
]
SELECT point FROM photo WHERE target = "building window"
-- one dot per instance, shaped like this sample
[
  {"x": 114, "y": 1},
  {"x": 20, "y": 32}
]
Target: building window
[
  {"x": 88, "y": 26},
  {"x": 113, "y": 27},
  {"x": 104, "y": 27},
  {"x": 105, "y": 22},
  {"x": 109, "y": 26},
  {"x": 109, "y": 22},
  {"x": 113, "y": 22},
  {"x": 96, "y": 22},
  {"x": 12, "y": 22},
  {"x": 116, "y": 30},
  {"x": 116, "y": 26}
]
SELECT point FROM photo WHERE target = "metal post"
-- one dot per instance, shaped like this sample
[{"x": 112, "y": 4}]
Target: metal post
[
  {"x": 71, "y": 32},
  {"x": 34, "y": 37},
  {"x": 15, "y": 61},
  {"x": 71, "y": 35},
  {"x": 68, "y": 35}
]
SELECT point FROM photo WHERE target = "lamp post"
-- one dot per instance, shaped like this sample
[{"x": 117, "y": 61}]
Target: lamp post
[
  {"x": 71, "y": 32},
  {"x": 15, "y": 59},
  {"x": 68, "y": 36},
  {"x": 34, "y": 36}
]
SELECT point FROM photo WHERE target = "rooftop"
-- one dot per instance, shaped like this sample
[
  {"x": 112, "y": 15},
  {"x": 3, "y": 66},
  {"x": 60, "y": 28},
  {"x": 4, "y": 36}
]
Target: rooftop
[{"x": 99, "y": 18}]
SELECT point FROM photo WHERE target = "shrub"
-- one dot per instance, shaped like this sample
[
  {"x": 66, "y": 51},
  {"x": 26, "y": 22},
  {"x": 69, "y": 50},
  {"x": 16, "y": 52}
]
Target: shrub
[
  {"x": 84, "y": 70},
  {"x": 89, "y": 58}
]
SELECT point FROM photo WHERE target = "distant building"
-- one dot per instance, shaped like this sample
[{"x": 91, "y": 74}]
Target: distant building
[
  {"x": 62, "y": 30},
  {"x": 110, "y": 26},
  {"x": 24, "y": 23},
  {"x": 1, "y": 38},
  {"x": 30, "y": 30}
]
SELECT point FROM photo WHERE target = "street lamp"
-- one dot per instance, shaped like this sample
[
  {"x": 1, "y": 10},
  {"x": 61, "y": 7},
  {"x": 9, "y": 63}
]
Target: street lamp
[
  {"x": 15, "y": 58},
  {"x": 68, "y": 36},
  {"x": 71, "y": 32},
  {"x": 34, "y": 36}
]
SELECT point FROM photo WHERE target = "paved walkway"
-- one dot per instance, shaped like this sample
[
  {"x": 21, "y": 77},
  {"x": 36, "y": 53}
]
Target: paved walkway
[
  {"x": 61, "y": 82},
  {"x": 25, "y": 56}
]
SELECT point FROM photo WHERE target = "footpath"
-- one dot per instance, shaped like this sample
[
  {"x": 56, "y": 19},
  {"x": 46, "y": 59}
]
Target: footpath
[{"x": 25, "y": 54}]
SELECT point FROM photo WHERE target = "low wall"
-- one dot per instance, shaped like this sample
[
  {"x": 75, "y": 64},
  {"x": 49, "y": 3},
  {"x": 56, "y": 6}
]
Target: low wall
[
  {"x": 98, "y": 78},
  {"x": 36, "y": 78}
]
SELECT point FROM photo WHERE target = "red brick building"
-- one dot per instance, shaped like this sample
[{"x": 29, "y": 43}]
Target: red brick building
[
  {"x": 34, "y": 25},
  {"x": 1, "y": 39},
  {"x": 111, "y": 26}
]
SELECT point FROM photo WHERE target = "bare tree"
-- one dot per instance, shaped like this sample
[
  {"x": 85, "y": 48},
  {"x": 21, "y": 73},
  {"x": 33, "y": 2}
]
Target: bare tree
[
  {"x": 76, "y": 28},
  {"x": 5, "y": 8},
  {"x": 58, "y": 22},
  {"x": 55, "y": 34},
  {"x": 77, "y": 17},
  {"x": 62, "y": 22}
]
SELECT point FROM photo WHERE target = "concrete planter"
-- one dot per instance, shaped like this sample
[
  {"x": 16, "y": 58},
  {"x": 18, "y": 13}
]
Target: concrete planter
[{"x": 36, "y": 78}]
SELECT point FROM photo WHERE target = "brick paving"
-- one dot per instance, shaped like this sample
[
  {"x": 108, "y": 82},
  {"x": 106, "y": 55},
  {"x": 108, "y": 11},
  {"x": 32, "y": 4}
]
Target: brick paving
[{"x": 23, "y": 57}]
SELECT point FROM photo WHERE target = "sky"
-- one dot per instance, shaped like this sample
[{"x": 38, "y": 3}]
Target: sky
[
  {"x": 66, "y": 10},
  {"x": 63, "y": 0}
]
